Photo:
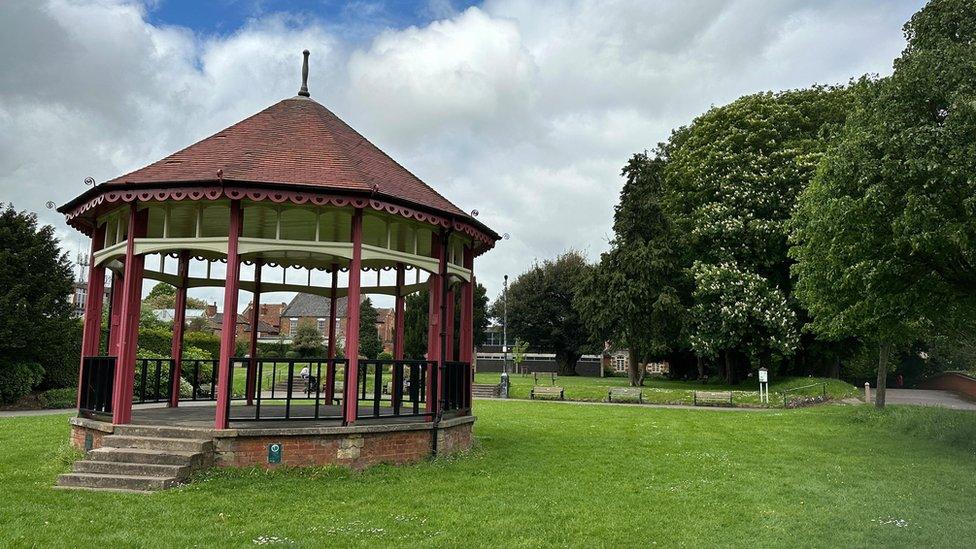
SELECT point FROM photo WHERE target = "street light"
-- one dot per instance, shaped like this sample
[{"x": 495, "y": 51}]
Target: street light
[{"x": 504, "y": 380}]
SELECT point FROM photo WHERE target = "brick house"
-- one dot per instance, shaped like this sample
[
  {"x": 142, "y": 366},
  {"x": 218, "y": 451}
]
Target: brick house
[
  {"x": 386, "y": 326},
  {"x": 269, "y": 314},
  {"x": 315, "y": 308}
]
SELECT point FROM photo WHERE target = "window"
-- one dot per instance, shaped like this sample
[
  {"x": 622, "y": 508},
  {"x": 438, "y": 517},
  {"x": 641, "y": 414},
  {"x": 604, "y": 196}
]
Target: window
[
  {"x": 620, "y": 363},
  {"x": 323, "y": 325}
]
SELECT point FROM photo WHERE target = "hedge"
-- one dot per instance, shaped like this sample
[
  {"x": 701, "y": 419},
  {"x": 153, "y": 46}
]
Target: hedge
[{"x": 18, "y": 379}]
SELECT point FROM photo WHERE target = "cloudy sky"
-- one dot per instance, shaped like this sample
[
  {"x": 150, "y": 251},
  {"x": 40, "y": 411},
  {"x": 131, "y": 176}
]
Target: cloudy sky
[{"x": 523, "y": 109}]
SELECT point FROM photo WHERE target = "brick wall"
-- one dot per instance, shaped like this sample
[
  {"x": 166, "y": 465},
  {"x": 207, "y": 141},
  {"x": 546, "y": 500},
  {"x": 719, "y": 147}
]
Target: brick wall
[
  {"x": 356, "y": 451},
  {"x": 960, "y": 384},
  {"x": 78, "y": 434}
]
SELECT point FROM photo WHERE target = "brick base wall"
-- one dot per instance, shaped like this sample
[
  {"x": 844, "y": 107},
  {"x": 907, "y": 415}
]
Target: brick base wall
[
  {"x": 355, "y": 450},
  {"x": 80, "y": 432}
]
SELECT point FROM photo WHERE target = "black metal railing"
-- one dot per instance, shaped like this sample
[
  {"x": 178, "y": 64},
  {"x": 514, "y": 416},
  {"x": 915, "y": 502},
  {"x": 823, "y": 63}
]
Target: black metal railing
[
  {"x": 97, "y": 380},
  {"x": 393, "y": 388},
  {"x": 292, "y": 389},
  {"x": 201, "y": 374},
  {"x": 456, "y": 386},
  {"x": 316, "y": 388},
  {"x": 152, "y": 383}
]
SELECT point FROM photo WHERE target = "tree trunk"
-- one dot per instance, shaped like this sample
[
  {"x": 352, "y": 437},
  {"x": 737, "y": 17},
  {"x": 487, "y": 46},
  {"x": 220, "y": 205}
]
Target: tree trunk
[
  {"x": 701, "y": 366},
  {"x": 835, "y": 368},
  {"x": 728, "y": 367},
  {"x": 567, "y": 363},
  {"x": 635, "y": 370},
  {"x": 884, "y": 352}
]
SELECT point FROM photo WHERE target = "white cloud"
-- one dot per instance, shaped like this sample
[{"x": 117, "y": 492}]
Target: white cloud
[{"x": 523, "y": 109}]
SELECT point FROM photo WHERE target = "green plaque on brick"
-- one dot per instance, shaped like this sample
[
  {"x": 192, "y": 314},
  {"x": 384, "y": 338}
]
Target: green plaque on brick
[{"x": 274, "y": 452}]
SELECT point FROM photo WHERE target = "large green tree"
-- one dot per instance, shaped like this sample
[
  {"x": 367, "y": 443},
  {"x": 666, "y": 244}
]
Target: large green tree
[
  {"x": 541, "y": 309},
  {"x": 731, "y": 180},
  {"x": 370, "y": 345},
  {"x": 36, "y": 325},
  {"x": 163, "y": 296},
  {"x": 632, "y": 297},
  {"x": 884, "y": 237},
  {"x": 415, "y": 320}
]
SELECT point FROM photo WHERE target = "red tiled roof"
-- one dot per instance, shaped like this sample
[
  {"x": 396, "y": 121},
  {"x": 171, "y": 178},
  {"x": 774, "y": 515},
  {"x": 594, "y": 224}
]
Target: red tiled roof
[{"x": 294, "y": 142}]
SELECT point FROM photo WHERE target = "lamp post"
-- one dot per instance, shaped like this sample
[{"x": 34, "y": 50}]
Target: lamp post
[{"x": 504, "y": 381}]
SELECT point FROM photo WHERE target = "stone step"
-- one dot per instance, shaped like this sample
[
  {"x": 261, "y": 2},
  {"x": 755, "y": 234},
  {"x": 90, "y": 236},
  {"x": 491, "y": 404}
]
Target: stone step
[
  {"x": 156, "y": 443},
  {"x": 142, "y": 455},
  {"x": 180, "y": 472},
  {"x": 163, "y": 432},
  {"x": 116, "y": 482}
]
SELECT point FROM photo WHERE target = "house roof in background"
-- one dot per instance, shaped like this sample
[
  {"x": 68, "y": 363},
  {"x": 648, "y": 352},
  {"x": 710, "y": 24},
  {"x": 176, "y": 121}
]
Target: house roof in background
[{"x": 311, "y": 305}]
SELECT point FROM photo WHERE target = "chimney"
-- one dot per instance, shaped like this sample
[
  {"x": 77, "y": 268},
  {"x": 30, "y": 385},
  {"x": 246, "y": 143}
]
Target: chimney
[{"x": 211, "y": 310}]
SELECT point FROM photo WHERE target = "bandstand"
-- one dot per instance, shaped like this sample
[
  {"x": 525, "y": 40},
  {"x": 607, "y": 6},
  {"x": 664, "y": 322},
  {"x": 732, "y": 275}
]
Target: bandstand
[{"x": 292, "y": 189}]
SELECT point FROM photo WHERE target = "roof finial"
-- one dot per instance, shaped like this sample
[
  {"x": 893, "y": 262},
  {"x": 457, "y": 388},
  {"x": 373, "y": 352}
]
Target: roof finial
[{"x": 304, "y": 91}]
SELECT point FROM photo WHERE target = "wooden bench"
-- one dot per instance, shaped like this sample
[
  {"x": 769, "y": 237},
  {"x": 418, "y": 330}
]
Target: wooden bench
[
  {"x": 713, "y": 398},
  {"x": 625, "y": 394},
  {"x": 552, "y": 378},
  {"x": 546, "y": 391}
]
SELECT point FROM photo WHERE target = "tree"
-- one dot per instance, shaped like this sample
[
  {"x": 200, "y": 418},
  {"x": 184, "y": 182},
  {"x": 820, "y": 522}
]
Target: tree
[
  {"x": 308, "y": 340},
  {"x": 163, "y": 296},
  {"x": 518, "y": 353},
  {"x": 415, "y": 325},
  {"x": 540, "y": 308},
  {"x": 731, "y": 180},
  {"x": 370, "y": 345},
  {"x": 36, "y": 327},
  {"x": 632, "y": 296},
  {"x": 415, "y": 320},
  {"x": 885, "y": 236}
]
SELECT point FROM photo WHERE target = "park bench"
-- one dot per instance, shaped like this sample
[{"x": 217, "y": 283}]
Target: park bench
[
  {"x": 625, "y": 394},
  {"x": 713, "y": 398},
  {"x": 552, "y": 378},
  {"x": 547, "y": 391}
]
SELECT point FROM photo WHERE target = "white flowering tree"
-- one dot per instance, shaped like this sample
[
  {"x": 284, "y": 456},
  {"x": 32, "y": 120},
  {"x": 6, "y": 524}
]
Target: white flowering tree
[
  {"x": 731, "y": 183},
  {"x": 740, "y": 310}
]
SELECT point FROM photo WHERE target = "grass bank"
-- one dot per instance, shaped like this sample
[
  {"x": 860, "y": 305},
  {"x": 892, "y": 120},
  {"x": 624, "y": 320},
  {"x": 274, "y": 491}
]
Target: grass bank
[
  {"x": 546, "y": 474},
  {"x": 664, "y": 391}
]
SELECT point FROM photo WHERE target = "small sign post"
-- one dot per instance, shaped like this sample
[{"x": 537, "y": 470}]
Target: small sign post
[
  {"x": 764, "y": 385},
  {"x": 274, "y": 453}
]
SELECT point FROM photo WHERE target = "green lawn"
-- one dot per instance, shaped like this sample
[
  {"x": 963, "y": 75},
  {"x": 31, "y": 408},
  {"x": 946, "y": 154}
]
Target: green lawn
[
  {"x": 552, "y": 474},
  {"x": 664, "y": 391}
]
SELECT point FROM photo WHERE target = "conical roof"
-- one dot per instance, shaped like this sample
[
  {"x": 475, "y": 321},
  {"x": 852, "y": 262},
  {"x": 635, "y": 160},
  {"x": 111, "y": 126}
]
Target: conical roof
[{"x": 293, "y": 143}]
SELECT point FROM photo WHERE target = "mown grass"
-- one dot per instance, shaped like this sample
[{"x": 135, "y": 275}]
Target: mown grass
[
  {"x": 665, "y": 391},
  {"x": 551, "y": 474}
]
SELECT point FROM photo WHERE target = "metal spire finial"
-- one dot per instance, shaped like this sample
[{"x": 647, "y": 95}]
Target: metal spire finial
[{"x": 304, "y": 91}]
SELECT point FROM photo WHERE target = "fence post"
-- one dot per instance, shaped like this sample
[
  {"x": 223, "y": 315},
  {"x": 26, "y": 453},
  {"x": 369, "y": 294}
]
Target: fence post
[{"x": 867, "y": 392}]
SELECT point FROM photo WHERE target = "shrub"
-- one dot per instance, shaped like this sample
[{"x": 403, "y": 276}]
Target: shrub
[
  {"x": 59, "y": 398},
  {"x": 202, "y": 340},
  {"x": 63, "y": 359},
  {"x": 292, "y": 354},
  {"x": 385, "y": 355},
  {"x": 156, "y": 340},
  {"x": 18, "y": 379}
]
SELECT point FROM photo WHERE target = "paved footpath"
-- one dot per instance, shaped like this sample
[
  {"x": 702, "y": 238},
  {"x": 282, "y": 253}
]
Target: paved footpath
[{"x": 922, "y": 397}]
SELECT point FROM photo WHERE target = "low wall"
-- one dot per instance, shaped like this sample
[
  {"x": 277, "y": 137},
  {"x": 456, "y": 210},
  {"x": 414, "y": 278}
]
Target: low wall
[
  {"x": 961, "y": 384},
  {"x": 353, "y": 447},
  {"x": 589, "y": 368}
]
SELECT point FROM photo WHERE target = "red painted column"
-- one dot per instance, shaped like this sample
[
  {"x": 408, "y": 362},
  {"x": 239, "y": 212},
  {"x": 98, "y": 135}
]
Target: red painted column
[
  {"x": 330, "y": 370},
  {"x": 179, "y": 323},
  {"x": 228, "y": 330},
  {"x": 252, "y": 347},
  {"x": 115, "y": 318},
  {"x": 92, "y": 329},
  {"x": 333, "y": 303},
  {"x": 449, "y": 321},
  {"x": 351, "y": 402},
  {"x": 436, "y": 294},
  {"x": 466, "y": 341},
  {"x": 129, "y": 319},
  {"x": 398, "y": 310}
]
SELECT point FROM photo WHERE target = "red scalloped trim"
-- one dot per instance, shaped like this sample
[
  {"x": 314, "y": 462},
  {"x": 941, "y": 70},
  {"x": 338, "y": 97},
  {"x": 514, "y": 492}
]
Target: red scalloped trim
[{"x": 275, "y": 196}]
